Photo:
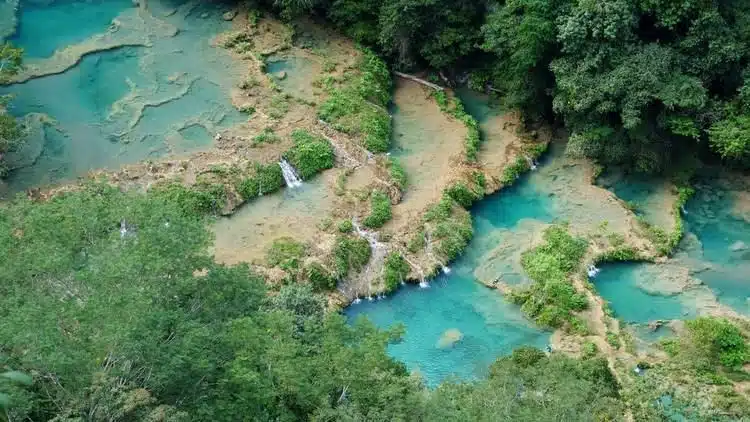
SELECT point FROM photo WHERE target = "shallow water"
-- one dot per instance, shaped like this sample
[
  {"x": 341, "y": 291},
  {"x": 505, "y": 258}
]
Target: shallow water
[
  {"x": 299, "y": 72},
  {"x": 724, "y": 239},
  {"x": 128, "y": 104},
  {"x": 490, "y": 326},
  {"x": 622, "y": 286},
  {"x": 296, "y": 212},
  {"x": 43, "y": 28}
]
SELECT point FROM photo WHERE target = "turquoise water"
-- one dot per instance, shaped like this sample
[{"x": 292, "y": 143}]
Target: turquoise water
[
  {"x": 618, "y": 284},
  {"x": 129, "y": 104},
  {"x": 490, "y": 326},
  {"x": 43, "y": 29},
  {"x": 725, "y": 239}
]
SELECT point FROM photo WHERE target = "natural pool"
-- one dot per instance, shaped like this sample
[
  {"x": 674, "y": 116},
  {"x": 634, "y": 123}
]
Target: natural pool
[
  {"x": 125, "y": 104},
  {"x": 714, "y": 252}
]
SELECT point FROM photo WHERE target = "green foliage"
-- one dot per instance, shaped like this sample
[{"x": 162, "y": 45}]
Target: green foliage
[
  {"x": 396, "y": 270},
  {"x": 552, "y": 299},
  {"x": 619, "y": 254},
  {"x": 266, "y": 136},
  {"x": 266, "y": 179},
  {"x": 380, "y": 210},
  {"x": 417, "y": 242},
  {"x": 285, "y": 253},
  {"x": 278, "y": 107},
  {"x": 589, "y": 350},
  {"x": 514, "y": 171},
  {"x": 397, "y": 173},
  {"x": 359, "y": 107},
  {"x": 346, "y": 226},
  {"x": 201, "y": 198},
  {"x": 451, "y": 228},
  {"x": 719, "y": 342},
  {"x": 529, "y": 386},
  {"x": 319, "y": 277},
  {"x": 350, "y": 253},
  {"x": 453, "y": 106},
  {"x": 310, "y": 154},
  {"x": 462, "y": 194},
  {"x": 613, "y": 340},
  {"x": 731, "y": 138},
  {"x": 11, "y": 61}
]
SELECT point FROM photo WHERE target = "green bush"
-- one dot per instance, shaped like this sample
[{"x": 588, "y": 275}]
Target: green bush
[
  {"x": 346, "y": 226},
  {"x": 350, "y": 253},
  {"x": 310, "y": 154},
  {"x": 267, "y": 179},
  {"x": 396, "y": 270},
  {"x": 285, "y": 253},
  {"x": 199, "y": 199},
  {"x": 397, "y": 173},
  {"x": 526, "y": 356},
  {"x": 319, "y": 277},
  {"x": 417, "y": 242},
  {"x": 380, "y": 210},
  {"x": 720, "y": 341},
  {"x": 462, "y": 194},
  {"x": 266, "y": 136},
  {"x": 514, "y": 171},
  {"x": 359, "y": 107},
  {"x": 552, "y": 299}
]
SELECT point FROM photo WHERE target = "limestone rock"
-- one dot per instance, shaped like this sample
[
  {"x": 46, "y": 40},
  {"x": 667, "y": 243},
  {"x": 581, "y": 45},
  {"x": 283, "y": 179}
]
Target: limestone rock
[
  {"x": 228, "y": 16},
  {"x": 738, "y": 246},
  {"x": 449, "y": 338}
]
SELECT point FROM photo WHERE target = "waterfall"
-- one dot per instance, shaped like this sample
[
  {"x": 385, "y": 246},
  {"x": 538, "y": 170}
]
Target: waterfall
[
  {"x": 682, "y": 208},
  {"x": 592, "y": 271},
  {"x": 532, "y": 164},
  {"x": 357, "y": 301},
  {"x": 424, "y": 285},
  {"x": 446, "y": 270},
  {"x": 290, "y": 174}
]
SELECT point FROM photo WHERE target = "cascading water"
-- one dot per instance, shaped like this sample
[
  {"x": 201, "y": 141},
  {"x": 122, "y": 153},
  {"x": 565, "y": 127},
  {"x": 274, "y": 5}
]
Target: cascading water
[
  {"x": 532, "y": 164},
  {"x": 291, "y": 177}
]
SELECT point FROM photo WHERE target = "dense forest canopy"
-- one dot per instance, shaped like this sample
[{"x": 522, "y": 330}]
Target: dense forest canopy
[
  {"x": 112, "y": 303},
  {"x": 639, "y": 82}
]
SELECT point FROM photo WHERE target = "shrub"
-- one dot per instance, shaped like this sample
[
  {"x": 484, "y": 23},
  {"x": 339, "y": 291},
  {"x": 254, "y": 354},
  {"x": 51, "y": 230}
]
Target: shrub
[
  {"x": 319, "y": 277},
  {"x": 268, "y": 178},
  {"x": 720, "y": 341},
  {"x": 552, "y": 299},
  {"x": 346, "y": 226},
  {"x": 417, "y": 242},
  {"x": 286, "y": 253},
  {"x": 397, "y": 173},
  {"x": 350, "y": 253},
  {"x": 526, "y": 356},
  {"x": 396, "y": 270},
  {"x": 359, "y": 107},
  {"x": 589, "y": 350},
  {"x": 266, "y": 136},
  {"x": 461, "y": 193},
  {"x": 514, "y": 171},
  {"x": 380, "y": 210},
  {"x": 310, "y": 154},
  {"x": 199, "y": 199}
]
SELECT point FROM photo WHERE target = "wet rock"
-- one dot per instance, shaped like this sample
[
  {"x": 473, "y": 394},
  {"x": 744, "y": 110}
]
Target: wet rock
[
  {"x": 449, "y": 338},
  {"x": 655, "y": 325},
  {"x": 228, "y": 16},
  {"x": 738, "y": 246},
  {"x": 281, "y": 75}
]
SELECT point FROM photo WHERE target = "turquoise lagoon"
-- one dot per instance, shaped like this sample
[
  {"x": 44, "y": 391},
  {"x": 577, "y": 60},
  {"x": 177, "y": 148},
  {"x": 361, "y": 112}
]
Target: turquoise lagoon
[{"x": 123, "y": 105}]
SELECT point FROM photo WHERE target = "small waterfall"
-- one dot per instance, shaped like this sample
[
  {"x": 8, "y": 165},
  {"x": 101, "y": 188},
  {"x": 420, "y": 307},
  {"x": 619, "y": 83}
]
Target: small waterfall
[
  {"x": 592, "y": 271},
  {"x": 369, "y": 298},
  {"x": 532, "y": 164},
  {"x": 290, "y": 174},
  {"x": 682, "y": 208},
  {"x": 357, "y": 301},
  {"x": 123, "y": 229},
  {"x": 446, "y": 270},
  {"x": 424, "y": 285}
]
